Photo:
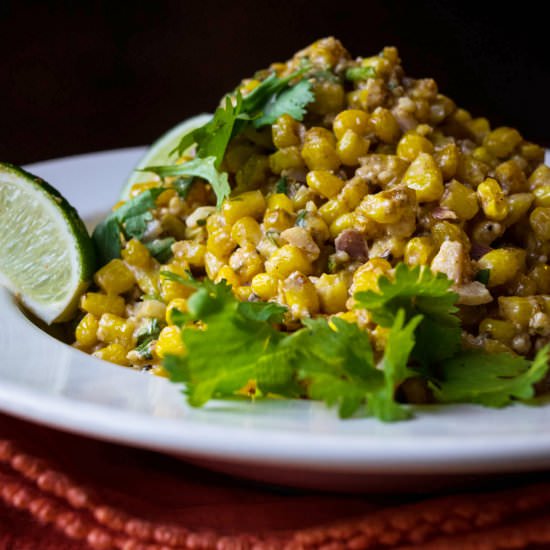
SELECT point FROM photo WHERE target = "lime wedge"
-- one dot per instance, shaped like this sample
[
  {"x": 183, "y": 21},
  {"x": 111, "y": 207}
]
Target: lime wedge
[
  {"x": 46, "y": 255},
  {"x": 159, "y": 153}
]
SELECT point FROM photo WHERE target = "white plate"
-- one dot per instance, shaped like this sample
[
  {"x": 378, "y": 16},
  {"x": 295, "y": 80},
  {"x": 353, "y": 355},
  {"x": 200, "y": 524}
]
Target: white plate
[{"x": 299, "y": 443}]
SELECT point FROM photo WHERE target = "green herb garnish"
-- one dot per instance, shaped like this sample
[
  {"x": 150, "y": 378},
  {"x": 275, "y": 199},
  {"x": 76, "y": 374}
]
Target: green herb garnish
[
  {"x": 360, "y": 73},
  {"x": 483, "y": 276},
  {"x": 161, "y": 249},
  {"x": 282, "y": 185}
]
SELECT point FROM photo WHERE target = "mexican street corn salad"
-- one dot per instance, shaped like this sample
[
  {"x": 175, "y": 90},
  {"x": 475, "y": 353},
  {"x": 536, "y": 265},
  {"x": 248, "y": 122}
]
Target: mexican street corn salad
[{"x": 339, "y": 231}]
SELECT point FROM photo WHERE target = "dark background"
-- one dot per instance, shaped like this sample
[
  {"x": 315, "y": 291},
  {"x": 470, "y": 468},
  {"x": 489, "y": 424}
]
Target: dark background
[{"x": 85, "y": 76}]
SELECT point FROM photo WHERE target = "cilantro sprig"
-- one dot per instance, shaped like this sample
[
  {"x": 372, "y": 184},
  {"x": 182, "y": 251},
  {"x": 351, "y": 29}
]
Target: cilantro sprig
[
  {"x": 231, "y": 343},
  {"x": 272, "y": 98}
]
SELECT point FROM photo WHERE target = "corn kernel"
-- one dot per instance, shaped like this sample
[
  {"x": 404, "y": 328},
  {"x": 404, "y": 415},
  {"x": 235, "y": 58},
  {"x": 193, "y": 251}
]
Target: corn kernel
[
  {"x": 246, "y": 231},
  {"x": 389, "y": 206},
  {"x": 351, "y": 147},
  {"x": 191, "y": 252},
  {"x": 478, "y": 128},
  {"x": 250, "y": 203},
  {"x": 114, "y": 353},
  {"x": 97, "y": 304},
  {"x": 333, "y": 292},
  {"x": 540, "y": 222},
  {"x": 236, "y": 156},
  {"x": 227, "y": 274},
  {"x": 518, "y": 206},
  {"x": 169, "y": 342},
  {"x": 136, "y": 254},
  {"x": 115, "y": 278},
  {"x": 447, "y": 159},
  {"x": 503, "y": 331},
  {"x": 446, "y": 231},
  {"x": 280, "y": 200},
  {"x": 419, "y": 251},
  {"x": 246, "y": 262},
  {"x": 179, "y": 304},
  {"x": 384, "y": 125},
  {"x": 517, "y": 309},
  {"x": 460, "y": 199},
  {"x": 264, "y": 286},
  {"x": 324, "y": 182},
  {"x": 539, "y": 177},
  {"x": 353, "y": 192},
  {"x": 286, "y": 260},
  {"x": 286, "y": 159},
  {"x": 492, "y": 199},
  {"x": 424, "y": 176},
  {"x": 542, "y": 195},
  {"x": 300, "y": 296},
  {"x": 412, "y": 144},
  {"x": 366, "y": 277},
  {"x": 540, "y": 274},
  {"x": 278, "y": 219},
  {"x": 169, "y": 289},
  {"x": 341, "y": 223},
  {"x": 319, "y": 150},
  {"x": 285, "y": 132},
  {"x": 116, "y": 330},
  {"x": 139, "y": 188},
  {"x": 502, "y": 141},
  {"x": 212, "y": 265},
  {"x": 86, "y": 331},
  {"x": 350, "y": 119},
  {"x": 332, "y": 209},
  {"x": 503, "y": 264},
  {"x": 173, "y": 226},
  {"x": 329, "y": 97},
  {"x": 511, "y": 177}
]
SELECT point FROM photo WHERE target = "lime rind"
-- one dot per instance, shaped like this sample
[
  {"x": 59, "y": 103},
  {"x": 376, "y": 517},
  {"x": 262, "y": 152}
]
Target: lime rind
[
  {"x": 46, "y": 255},
  {"x": 160, "y": 151}
]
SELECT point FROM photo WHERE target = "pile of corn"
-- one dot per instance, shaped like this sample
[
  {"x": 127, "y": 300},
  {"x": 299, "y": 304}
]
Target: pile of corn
[{"x": 381, "y": 170}]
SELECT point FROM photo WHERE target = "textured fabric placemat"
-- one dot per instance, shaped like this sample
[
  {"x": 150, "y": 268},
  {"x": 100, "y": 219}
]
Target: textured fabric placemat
[{"x": 62, "y": 491}]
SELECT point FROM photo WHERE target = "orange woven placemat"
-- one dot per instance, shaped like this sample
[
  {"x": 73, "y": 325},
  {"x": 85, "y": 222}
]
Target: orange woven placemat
[{"x": 61, "y": 491}]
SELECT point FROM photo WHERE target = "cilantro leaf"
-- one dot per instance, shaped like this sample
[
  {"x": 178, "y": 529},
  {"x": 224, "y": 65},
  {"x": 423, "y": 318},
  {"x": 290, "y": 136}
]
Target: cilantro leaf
[
  {"x": 337, "y": 363},
  {"x": 483, "y": 276},
  {"x": 234, "y": 346},
  {"x": 200, "y": 167},
  {"x": 401, "y": 341},
  {"x": 282, "y": 185},
  {"x": 360, "y": 73},
  {"x": 417, "y": 290},
  {"x": 147, "y": 334},
  {"x": 130, "y": 219},
  {"x": 490, "y": 379},
  {"x": 161, "y": 249},
  {"x": 291, "y": 101}
]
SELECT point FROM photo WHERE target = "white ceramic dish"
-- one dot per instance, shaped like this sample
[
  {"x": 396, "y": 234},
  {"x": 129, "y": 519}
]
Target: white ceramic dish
[{"x": 296, "y": 443}]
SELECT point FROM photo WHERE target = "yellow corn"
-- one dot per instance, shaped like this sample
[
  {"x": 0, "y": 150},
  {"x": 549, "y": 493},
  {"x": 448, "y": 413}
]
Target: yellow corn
[
  {"x": 245, "y": 231},
  {"x": 542, "y": 195},
  {"x": 492, "y": 199},
  {"x": 503, "y": 264},
  {"x": 246, "y": 262},
  {"x": 250, "y": 203},
  {"x": 460, "y": 199},
  {"x": 333, "y": 292},
  {"x": 324, "y": 182},
  {"x": 351, "y": 147},
  {"x": 227, "y": 274},
  {"x": 173, "y": 226},
  {"x": 280, "y": 200},
  {"x": 412, "y": 144},
  {"x": 424, "y": 176},
  {"x": 341, "y": 223},
  {"x": 502, "y": 141},
  {"x": 264, "y": 286},
  {"x": 139, "y": 188},
  {"x": 319, "y": 150},
  {"x": 329, "y": 97},
  {"x": 253, "y": 173},
  {"x": 351, "y": 119},
  {"x": 389, "y": 206},
  {"x": 286, "y": 159},
  {"x": 191, "y": 252},
  {"x": 420, "y": 251},
  {"x": 366, "y": 277},
  {"x": 447, "y": 160},
  {"x": 285, "y": 132},
  {"x": 300, "y": 296},
  {"x": 353, "y": 192},
  {"x": 517, "y": 309},
  {"x": 169, "y": 342},
  {"x": 384, "y": 125},
  {"x": 136, "y": 254},
  {"x": 539, "y": 177},
  {"x": 332, "y": 209},
  {"x": 114, "y": 353},
  {"x": 116, "y": 330},
  {"x": 86, "y": 331},
  {"x": 540, "y": 222},
  {"x": 169, "y": 289},
  {"x": 518, "y": 206},
  {"x": 540, "y": 274},
  {"x": 478, "y": 128},
  {"x": 286, "y": 260},
  {"x": 446, "y": 231},
  {"x": 115, "y": 278},
  {"x": 511, "y": 177},
  {"x": 97, "y": 304},
  {"x": 236, "y": 156}
]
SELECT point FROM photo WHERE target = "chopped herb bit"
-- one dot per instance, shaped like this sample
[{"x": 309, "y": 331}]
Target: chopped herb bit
[
  {"x": 183, "y": 186},
  {"x": 161, "y": 249},
  {"x": 360, "y": 73},
  {"x": 282, "y": 185},
  {"x": 301, "y": 218},
  {"x": 148, "y": 333},
  {"x": 483, "y": 276},
  {"x": 201, "y": 222}
]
